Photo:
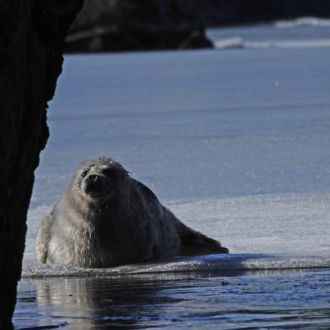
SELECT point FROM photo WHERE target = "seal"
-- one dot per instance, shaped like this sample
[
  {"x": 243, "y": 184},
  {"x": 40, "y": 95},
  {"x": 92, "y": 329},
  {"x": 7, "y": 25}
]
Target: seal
[{"x": 106, "y": 218}]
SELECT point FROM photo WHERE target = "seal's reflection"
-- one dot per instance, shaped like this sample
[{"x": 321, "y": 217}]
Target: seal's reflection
[{"x": 89, "y": 303}]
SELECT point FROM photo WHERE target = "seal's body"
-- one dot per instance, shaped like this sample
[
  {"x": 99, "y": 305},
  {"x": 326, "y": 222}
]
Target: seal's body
[{"x": 106, "y": 218}]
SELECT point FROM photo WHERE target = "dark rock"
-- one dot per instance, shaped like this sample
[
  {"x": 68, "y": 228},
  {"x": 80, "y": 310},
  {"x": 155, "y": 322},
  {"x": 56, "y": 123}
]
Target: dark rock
[
  {"x": 101, "y": 40},
  {"x": 196, "y": 40},
  {"x": 235, "y": 12},
  {"x": 121, "y": 25},
  {"x": 31, "y": 45}
]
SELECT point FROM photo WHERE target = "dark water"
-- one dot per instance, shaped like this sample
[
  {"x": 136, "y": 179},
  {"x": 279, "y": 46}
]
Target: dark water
[{"x": 206, "y": 300}]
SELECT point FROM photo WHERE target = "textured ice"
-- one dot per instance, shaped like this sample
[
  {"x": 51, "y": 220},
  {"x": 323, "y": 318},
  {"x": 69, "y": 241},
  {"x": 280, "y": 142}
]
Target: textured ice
[
  {"x": 300, "y": 33},
  {"x": 304, "y": 21},
  {"x": 221, "y": 264}
]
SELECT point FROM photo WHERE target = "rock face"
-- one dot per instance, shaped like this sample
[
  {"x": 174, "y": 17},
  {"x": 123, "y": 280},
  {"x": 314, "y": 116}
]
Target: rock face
[
  {"x": 231, "y": 12},
  {"x": 122, "y": 25},
  {"x": 31, "y": 45}
]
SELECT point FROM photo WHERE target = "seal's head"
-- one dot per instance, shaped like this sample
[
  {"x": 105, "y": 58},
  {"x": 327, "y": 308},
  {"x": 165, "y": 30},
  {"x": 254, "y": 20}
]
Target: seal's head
[{"x": 100, "y": 178}]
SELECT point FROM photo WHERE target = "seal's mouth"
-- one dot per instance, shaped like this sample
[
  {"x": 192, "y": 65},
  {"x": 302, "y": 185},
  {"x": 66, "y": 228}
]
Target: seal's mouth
[{"x": 96, "y": 185}]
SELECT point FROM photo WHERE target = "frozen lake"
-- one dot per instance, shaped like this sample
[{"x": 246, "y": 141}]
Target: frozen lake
[{"x": 236, "y": 143}]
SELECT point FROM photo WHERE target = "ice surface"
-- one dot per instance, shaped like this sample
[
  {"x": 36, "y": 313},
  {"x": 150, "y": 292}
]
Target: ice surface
[
  {"x": 215, "y": 264},
  {"x": 304, "y": 21},
  {"x": 308, "y": 32},
  {"x": 236, "y": 144}
]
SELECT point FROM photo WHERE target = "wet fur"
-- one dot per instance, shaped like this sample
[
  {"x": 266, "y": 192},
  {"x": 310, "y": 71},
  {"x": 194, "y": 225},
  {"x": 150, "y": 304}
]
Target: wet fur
[{"x": 126, "y": 225}]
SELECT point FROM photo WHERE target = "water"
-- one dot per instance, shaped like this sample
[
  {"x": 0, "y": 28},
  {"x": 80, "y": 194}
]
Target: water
[
  {"x": 196, "y": 300},
  {"x": 236, "y": 144}
]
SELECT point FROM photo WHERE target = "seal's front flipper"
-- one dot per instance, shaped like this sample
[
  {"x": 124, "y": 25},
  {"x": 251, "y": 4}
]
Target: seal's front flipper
[
  {"x": 43, "y": 238},
  {"x": 195, "y": 243}
]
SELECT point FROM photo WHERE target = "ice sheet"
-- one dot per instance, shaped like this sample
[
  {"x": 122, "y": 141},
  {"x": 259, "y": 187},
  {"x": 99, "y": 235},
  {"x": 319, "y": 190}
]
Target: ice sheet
[{"x": 236, "y": 144}]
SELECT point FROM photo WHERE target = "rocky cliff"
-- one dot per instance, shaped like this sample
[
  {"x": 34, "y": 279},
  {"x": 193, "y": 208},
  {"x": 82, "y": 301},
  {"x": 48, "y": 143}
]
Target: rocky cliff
[
  {"x": 31, "y": 45},
  {"x": 122, "y": 25}
]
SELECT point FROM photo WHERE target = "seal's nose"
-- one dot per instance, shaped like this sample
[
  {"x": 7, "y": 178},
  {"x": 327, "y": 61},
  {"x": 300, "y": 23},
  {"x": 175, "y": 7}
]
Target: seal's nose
[{"x": 93, "y": 178}]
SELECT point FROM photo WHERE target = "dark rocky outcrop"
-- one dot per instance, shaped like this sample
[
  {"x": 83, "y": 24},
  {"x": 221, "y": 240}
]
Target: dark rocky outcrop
[
  {"x": 235, "y": 12},
  {"x": 31, "y": 45},
  {"x": 122, "y": 25}
]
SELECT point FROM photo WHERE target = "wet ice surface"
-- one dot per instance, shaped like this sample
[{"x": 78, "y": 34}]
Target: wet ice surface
[
  {"x": 215, "y": 263},
  {"x": 235, "y": 143}
]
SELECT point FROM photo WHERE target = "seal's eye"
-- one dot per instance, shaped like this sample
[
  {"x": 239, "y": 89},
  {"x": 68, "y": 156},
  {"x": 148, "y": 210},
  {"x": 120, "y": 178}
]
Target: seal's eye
[{"x": 83, "y": 173}]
